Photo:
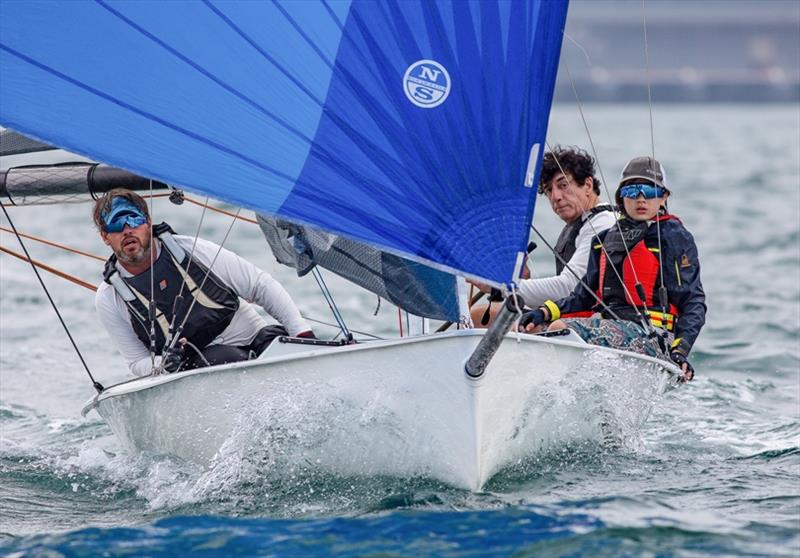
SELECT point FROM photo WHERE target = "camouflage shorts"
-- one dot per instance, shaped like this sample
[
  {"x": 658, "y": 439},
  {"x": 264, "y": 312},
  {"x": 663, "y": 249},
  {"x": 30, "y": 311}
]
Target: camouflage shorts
[{"x": 617, "y": 334}]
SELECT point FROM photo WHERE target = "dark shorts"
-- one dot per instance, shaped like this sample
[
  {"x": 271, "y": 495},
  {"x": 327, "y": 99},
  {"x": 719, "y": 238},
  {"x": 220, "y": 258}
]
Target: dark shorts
[
  {"x": 224, "y": 354},
  {"x": 617, "y": 334}
]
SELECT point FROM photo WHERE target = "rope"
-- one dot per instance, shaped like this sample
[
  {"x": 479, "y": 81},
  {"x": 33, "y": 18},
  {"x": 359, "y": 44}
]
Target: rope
[
  {"x": 236, "y": 216},
  {"x": 597, "y": 160},
  {"x": 222, "y": 211},
  {"x": 517, "y": 307},
  {"x": 95, "y": 383},
  {"x": 580, "y": 279},
  {"x": 52, "y": 270},
  {"x": 55, "y": 244},
  {"x": 89, "y": 286},
  {"x": 179, "y": 298},
  {"x": 336, "y": 326},
  {"x": 662, "y": 292},
  {"x": 337, "y": 315},
  {"x": 152, "y": 309},
  {"x": 647, "y": 79},
  {"x": 648, "y": 326},
  {"x": 202, "y": 284}
]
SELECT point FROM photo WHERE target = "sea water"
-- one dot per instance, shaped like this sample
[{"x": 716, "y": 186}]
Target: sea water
[{"x": 714, "y": 471}]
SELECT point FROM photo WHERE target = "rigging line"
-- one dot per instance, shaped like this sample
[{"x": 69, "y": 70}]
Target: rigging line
[
  {"x": 93, "y": 288},
  {"x": 662, "y": 290},
  {"x": 580, "y": 279},
  {"x": 179, "y": 298},
  {"x": 605, "y": 183},
  {"x": 588, "y": 134},
  {"x": 597, "y": 160},
  {"x": 336, "y": 326},
  {"x": 205, "y": 205},
  {"x": 52, "y": 270},
  {"x": 152, "y": 306},
  {"x": 95, "y": 383},
  {"x": 647, "y": 79},
  {"x": 202, "y": 284},
  {"x": 331, "y": 302},
  {"x": 400, "y": 320},
  {"x": 580, "y": 46},
  {"x": 54, "y": 244}
]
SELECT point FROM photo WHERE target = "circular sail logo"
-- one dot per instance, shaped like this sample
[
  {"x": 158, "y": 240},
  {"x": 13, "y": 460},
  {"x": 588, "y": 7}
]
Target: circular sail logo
[{"x": 426, "y": 83}]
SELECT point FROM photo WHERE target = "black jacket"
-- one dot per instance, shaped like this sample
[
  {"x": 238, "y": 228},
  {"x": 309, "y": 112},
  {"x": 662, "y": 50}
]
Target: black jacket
[{"x": 681, "y": 266}]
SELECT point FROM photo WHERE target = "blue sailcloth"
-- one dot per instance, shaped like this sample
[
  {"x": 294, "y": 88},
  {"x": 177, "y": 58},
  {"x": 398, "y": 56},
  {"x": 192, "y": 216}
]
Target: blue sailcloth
[{"x": 415, "y": 127}]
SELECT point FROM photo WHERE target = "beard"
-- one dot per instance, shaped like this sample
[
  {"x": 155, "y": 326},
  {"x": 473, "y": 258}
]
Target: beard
[{"x": 141, "y": 254}]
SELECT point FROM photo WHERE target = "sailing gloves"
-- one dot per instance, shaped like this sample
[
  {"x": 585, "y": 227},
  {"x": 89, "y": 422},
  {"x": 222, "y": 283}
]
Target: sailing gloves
[
  {"x": 173, "y": 359},
  {"x": 534, "y": 317},
  {"x": 680, "y": 359},
  {"x": 678, "y": 352}
]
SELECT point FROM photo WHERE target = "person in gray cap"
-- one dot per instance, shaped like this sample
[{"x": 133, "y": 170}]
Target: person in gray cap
[{"x": 642, "y": 274}]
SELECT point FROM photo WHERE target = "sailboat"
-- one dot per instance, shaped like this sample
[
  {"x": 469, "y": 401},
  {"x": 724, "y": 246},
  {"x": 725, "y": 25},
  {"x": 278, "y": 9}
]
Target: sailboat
[{"x": 369, "y": 137}]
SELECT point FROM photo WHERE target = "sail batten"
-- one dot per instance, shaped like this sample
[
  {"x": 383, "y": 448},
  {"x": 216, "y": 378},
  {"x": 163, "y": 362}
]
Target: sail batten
[{"x": 401, "y": 125}]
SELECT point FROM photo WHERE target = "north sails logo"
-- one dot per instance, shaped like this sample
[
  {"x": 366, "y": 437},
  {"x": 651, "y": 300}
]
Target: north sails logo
[{"x": 426, "y": 83}]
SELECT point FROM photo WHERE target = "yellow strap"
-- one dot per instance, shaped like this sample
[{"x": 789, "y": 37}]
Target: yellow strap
[
  {"x": 659, "y": 323},
  {"x": 555, "y": 311},
  {"x": 661, "y": 319},
  {"x": 661, "y": 315}
]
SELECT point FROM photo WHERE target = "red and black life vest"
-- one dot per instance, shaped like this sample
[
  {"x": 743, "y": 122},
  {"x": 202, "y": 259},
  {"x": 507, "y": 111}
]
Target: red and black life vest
[{"x": 642, "y": 257}]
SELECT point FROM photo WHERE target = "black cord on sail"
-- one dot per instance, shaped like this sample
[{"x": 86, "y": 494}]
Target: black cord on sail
[{"x": 97, "y": 385}]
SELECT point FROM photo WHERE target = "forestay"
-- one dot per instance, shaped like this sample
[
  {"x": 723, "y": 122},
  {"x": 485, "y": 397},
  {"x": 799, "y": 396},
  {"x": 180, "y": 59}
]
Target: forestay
[{"x": 415, "y": 127}]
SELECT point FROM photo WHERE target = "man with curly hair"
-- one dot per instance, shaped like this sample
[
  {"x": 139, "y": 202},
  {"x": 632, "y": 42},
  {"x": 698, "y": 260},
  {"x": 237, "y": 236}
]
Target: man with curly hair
[{"x": 569, "y": 181}]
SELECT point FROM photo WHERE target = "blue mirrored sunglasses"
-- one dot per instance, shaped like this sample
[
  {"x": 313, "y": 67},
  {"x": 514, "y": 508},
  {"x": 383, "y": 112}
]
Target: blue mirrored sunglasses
[
  {"x": 649, "y": 191},
  {"x": 130, "y": 218}
]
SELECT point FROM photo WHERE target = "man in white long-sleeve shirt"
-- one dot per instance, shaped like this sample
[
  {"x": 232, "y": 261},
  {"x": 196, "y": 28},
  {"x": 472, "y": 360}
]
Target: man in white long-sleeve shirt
[
  {"x": 211, "y": 284},
  {"x": 569, "y": 182}
]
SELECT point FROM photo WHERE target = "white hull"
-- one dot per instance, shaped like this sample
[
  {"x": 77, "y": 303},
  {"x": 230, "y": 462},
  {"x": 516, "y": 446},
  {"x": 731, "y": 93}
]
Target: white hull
[{"x": 403, "y": 407}]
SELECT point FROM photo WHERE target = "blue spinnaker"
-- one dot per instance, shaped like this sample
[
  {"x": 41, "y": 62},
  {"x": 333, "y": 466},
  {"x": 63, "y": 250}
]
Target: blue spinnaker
[{"x": 413, "y": 126}]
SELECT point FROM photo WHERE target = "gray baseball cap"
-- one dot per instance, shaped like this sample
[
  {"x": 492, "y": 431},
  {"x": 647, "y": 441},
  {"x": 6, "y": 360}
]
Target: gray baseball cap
[{"x": 645, "y": 168}]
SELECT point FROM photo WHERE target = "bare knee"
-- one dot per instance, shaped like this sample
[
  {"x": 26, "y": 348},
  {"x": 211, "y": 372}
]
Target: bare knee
[{"x": 483, "y": 315}]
